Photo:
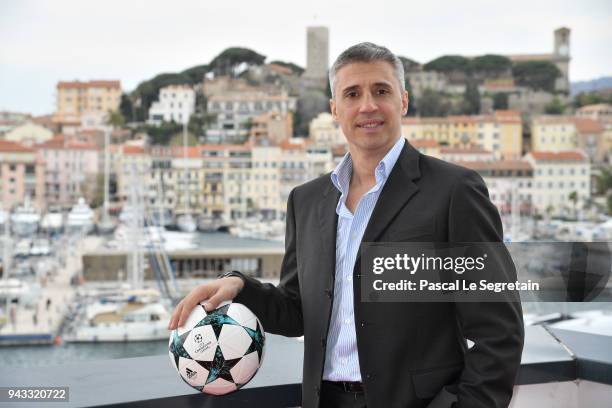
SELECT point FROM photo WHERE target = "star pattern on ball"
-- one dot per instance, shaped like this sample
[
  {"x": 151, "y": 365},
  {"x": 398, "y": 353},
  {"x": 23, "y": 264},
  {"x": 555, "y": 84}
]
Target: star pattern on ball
[
  {"x": 219, "y": 367},
  {"x": 257, "y": 340},
  {"x": 216, "y": 319},
  {"x": 176, "y": 347}
]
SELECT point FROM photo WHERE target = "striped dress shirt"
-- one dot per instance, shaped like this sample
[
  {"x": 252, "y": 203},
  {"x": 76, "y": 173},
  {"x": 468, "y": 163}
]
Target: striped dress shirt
[{"x": 341, "y": 358}]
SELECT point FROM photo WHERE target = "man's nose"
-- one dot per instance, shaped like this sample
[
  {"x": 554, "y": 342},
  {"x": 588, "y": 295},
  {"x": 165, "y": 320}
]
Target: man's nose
[{"x": 368, "y": 104}]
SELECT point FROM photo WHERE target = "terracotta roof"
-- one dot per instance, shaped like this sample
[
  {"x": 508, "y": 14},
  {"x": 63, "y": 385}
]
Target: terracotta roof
[
  {"x": 286, "y": 144},
  {"x": 464, "y": 119},
  {"x": 280, "y": 69},
  {"x": 552, "y": 119},
  {"x": 423, "y": 143},
  {"x": 464, "y": 150},
  {"x": 501, "y": 116},
  {"x": 567, "y": 155},
  {"x": 89, "y": 84},
  {"x": 64, "y": 142},
  {"x": 12, "y": 147},
  {"x": 496, "y": 165},
  {"x": 595, "y": 107},
  {"x": 585, "y": 125},
  {"x": 531, "y": 57},
  {"x": 133, "y": 149},
  {"x": 91, "y": 132}
]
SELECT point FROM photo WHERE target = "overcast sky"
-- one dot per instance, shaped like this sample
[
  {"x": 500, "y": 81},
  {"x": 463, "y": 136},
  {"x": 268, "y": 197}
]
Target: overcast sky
[{"x": 44, "y": 41}]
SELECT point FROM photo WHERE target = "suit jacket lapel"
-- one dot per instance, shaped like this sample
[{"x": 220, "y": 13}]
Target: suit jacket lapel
[
  {"x": 328, "y": 220},
  {"x": 398, "y": 189}
]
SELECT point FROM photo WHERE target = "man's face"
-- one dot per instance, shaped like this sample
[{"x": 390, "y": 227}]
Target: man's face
[{"x": 369, "y": 104}]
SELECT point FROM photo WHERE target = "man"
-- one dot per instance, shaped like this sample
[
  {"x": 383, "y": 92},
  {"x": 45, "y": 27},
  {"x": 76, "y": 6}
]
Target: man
[{"x": 378, "y": 354}]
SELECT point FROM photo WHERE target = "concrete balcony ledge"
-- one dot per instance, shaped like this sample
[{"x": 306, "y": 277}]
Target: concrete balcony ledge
[{"x": 550, "y": 373}]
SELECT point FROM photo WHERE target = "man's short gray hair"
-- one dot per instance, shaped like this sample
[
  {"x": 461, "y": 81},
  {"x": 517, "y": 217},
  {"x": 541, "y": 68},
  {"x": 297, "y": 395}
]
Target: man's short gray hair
[{"x": 366, "y": 52}]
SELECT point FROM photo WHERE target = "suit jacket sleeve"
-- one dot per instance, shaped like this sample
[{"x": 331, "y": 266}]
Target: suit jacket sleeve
[
  {"x": 279, "y": 308},
  {"x": 496, "y": 329}
]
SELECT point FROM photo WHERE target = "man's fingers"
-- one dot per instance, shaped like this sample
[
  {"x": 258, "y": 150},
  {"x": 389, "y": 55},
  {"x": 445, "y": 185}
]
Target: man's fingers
[
  {"x": 195, "y": 297},
  {"x": 215, "y": 300},
  {"x": 175, "y": 316}
]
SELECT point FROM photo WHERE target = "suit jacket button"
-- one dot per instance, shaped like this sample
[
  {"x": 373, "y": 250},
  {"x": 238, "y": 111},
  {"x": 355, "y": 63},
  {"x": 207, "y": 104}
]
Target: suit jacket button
[
  {"x": 328, "y": 292},
  {"x": 362, "y": 324},
  {"x": 323, "y": 341}
]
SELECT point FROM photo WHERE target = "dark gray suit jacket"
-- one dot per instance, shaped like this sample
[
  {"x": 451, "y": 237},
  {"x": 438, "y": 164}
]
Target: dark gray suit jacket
[{"x": 409, "y": 353}]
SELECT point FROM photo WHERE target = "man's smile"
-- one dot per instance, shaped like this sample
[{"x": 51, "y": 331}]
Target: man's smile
[{"x": 370, "y": 123}]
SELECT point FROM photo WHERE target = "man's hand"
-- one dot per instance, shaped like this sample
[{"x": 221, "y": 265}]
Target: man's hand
[{"x": 213, "y": 293}]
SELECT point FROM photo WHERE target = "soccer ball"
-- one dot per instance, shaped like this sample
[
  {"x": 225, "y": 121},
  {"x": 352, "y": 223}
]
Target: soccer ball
[{"x": 220, "y": 351}]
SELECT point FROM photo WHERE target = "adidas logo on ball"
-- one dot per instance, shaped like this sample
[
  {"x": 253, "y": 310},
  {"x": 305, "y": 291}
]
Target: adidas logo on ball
[{"x": 190, "y": 373}]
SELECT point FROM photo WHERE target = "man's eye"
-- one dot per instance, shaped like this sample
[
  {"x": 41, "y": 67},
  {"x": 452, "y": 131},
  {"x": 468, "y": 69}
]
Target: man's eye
[
  {"x": 383, "y": 91},
  {"x": 351, "y": 94}
]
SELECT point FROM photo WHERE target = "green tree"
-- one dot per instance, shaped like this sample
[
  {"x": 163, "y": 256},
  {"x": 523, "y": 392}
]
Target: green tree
[
  {"x": 177, "y": 139},
  {"x": 161, "y": 135},
  {"x": 491, "y": 65},
  {"x": 433, "y": 103},
  {"x": 537, "y": 75},
  {"x": 500, "y": 101},
  {"x": 555, "y": 107},
  {"x": 127, "y": 108},
  {"x": 115, "y": 119},
  {"x": 471, "y": 98},
  {"x": 230, "y": 58},
  {"x": 195, "y": 74},
  {"x": 590, "y": 98},
  {"x": 604, "y": 181},
  {"x": 408, "y": 64},
  {"x": 448, "y": 64}
]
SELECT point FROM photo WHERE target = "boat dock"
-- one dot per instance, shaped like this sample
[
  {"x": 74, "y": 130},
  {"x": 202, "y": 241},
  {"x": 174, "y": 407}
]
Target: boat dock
[{"x": 40, "y": 323}]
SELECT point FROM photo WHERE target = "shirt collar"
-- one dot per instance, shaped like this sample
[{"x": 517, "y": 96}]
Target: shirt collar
[{"x": 341, "y": 176}]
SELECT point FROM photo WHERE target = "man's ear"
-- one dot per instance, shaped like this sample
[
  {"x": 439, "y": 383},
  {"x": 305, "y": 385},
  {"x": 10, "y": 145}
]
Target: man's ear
[
  {"x": 405, "y": 102},
  {"x": 332, "y": 108}
]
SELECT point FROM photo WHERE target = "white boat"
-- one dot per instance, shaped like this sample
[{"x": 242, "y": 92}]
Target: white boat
[
  {"x": 22, "y": 248},
  {"x": 207, "y": 223},
  {"x": 106, "y": 225},
  {"x": 186, "y": 223},
  {"x": 80, "y": 218},
  {"x": 40, "y": 247},
  {"x": 3, "y": 216},
  {"x": 26, "y": 293},
  {"x": 122, "y": 317},
  {"x": 52, "y": 222},
  {"x": 128, "y": 214},
  {"x": 25, "y": 219}
]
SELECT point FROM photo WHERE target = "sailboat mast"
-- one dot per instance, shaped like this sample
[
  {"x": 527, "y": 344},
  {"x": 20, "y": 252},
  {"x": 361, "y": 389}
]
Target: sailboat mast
[
  {"x": 106, "y": 174},
  {"x": 185, "y": 167},
  {"x": 6, "y": 260}
]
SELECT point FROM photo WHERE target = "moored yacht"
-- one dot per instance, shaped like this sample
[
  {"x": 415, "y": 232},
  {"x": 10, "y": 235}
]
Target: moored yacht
[{"x": 81, "y": 218}]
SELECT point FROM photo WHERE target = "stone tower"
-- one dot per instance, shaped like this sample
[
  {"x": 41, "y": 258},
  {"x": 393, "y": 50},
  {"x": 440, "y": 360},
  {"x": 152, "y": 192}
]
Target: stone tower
[
  {"x": 317, "y": 53},
  {"x": 561, "y": 57}
]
